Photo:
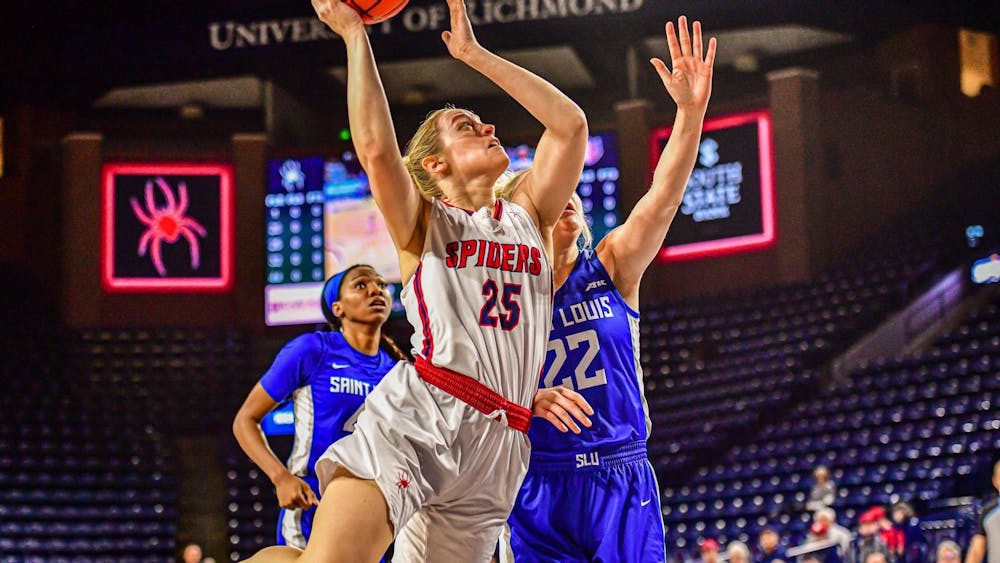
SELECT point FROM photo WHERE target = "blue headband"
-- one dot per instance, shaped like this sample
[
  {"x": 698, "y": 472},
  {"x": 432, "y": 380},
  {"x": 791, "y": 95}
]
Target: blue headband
[{"x": 331, "y": 289}]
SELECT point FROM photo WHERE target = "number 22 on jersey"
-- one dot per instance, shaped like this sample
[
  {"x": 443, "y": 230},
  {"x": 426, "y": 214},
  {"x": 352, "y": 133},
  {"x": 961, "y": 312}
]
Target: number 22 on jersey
[{"x": 580, "y": 379}]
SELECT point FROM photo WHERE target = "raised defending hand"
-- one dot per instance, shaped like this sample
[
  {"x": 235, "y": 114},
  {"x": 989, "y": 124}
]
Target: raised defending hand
[
  {"x": 340, "y": 17},
  {"x": 560, "y": 406},
  {"x": 690, "y": 80},
  {"x": 460, "y": 39}
]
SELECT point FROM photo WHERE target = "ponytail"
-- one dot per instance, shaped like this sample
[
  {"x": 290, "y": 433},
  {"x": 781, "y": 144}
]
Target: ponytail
[{"x": 390, "y": 346}]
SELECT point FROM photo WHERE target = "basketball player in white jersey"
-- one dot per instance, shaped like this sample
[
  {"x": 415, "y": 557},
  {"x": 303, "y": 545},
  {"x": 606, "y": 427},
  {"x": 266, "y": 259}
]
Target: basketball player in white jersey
[{"x": 440, "y": 450}]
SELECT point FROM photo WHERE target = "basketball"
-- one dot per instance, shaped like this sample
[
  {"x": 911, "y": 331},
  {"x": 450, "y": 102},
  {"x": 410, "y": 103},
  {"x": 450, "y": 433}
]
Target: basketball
[{"x": 375, "y": 11}]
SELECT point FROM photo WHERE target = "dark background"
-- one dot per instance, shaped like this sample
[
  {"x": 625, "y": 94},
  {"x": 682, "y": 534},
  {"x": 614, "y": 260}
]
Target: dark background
[{"x": 203, "y": 207}]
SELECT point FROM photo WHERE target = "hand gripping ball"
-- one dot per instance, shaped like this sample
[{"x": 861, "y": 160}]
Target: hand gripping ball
[{"x": 375, "y": 11}]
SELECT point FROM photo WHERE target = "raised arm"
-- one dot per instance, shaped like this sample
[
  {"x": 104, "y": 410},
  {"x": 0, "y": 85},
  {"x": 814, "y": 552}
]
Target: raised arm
[
  {"x": 628, "y": 250},
  {"x": 562, "y": 147},
  {"x": 374, "y": 135}
]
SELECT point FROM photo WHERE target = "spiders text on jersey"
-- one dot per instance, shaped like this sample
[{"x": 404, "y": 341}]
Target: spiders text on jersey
[{"x": 507, "y": 257}]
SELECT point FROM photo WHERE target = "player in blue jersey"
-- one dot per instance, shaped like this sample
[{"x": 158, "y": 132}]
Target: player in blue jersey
[
  {"x": 327, "y": 375},
  {"x": 590, "y": 494}
]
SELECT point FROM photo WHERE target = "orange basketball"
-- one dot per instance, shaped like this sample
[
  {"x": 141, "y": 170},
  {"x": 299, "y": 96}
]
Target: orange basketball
[{"x": 374, "y": 11}]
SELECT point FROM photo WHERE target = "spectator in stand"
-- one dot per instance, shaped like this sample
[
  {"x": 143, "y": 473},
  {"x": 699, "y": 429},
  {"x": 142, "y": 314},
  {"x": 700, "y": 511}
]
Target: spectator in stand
[
  {"x": 192, "y": 553},
  {"x": 905, "y": 520},
  {"x": 892, "y": 536},
  {"x": 870, "y": 538},
  {"x": 770, "y": 547},
  {"x": 825, "y": 527},
  {"x": 738, "y": 552},
  {"x": 987, "y": 536},
  {"x": 948, "y": 552},
  {"x": 824, "y": 490},
  {"x": 709, "y": 551},
  {"x": 875, "y": 557}
]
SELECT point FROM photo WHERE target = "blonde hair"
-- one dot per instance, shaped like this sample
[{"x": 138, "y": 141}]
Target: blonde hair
[
  {"x": 586, "y": 236},
  {"x": 826, "y": 512},
  {"x": 424, "y": 143},
  {"x": 948, "y": 545},
  {"x": 508, "y": 184},
  {"x": 738, "y": 547}
]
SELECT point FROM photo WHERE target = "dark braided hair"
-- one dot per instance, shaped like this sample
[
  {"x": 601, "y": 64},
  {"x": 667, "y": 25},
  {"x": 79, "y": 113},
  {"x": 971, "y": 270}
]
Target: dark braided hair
[
  {"x": 390, "y": 346},
  {"x": 335, "y": 324}
]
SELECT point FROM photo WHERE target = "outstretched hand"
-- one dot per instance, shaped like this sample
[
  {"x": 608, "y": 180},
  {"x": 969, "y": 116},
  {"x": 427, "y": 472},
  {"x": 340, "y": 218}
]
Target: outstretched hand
[
  {"x": 460, "y": 39},
  {"x": 689, "y": 81},
  {"x": 340, "y": 17},
  {"x": 560, "y": 406}
]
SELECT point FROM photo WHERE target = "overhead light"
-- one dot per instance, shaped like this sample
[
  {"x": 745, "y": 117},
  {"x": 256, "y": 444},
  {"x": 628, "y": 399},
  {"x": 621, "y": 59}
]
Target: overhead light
[
  {"x": 417, "y": 94},
  {"x": 978, "y": 59},
  {"x": 192, "y": 110},
  {"x": 747, "y": 61}
]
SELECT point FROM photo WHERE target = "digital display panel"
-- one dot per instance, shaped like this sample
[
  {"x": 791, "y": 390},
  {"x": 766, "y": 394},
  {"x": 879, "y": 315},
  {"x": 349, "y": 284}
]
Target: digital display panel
[
  {"x": 974, "y": 234},
  {"x": 598, "y": 187},
  {"x": 294, "y": 241},
  {"x": 167, "y": 227},
  {"x": 321, "y": 218},
  {"x": 280, "y": 421},
  {"x": 728, "y": 204},
  {"x": 986, "y": 270}
]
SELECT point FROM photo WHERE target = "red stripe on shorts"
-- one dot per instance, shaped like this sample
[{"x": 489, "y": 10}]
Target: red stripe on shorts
[{"x": 474, "y": 394}]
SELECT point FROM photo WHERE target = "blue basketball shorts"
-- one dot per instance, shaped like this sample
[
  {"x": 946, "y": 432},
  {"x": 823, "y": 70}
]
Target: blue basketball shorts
[{"x": 593, "y": 506}]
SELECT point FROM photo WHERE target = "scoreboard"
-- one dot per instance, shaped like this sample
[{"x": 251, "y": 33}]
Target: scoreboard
[
  {"x": 728, "y": 204},
  {"x": 320, "y": 218}
]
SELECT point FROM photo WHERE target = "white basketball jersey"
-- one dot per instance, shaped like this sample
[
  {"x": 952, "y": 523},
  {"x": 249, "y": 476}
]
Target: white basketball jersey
[{"x": 481, "y": 299}]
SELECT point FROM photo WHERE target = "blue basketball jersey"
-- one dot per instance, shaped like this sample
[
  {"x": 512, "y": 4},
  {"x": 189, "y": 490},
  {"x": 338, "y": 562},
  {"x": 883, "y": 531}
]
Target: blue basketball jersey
[
  {"x": 327, "y": 381},
  {"x": 594, "y": 350}
]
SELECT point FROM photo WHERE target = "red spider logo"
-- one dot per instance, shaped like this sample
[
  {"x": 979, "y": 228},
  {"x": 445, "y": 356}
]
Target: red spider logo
[
  {"x": 166, "y": 223},
  {"x": 404, "y": 481}
]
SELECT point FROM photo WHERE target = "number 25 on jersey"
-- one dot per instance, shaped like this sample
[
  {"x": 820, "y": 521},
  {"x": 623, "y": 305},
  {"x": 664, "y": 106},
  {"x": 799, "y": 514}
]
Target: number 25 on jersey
[{"x": 501, "y": 307}]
